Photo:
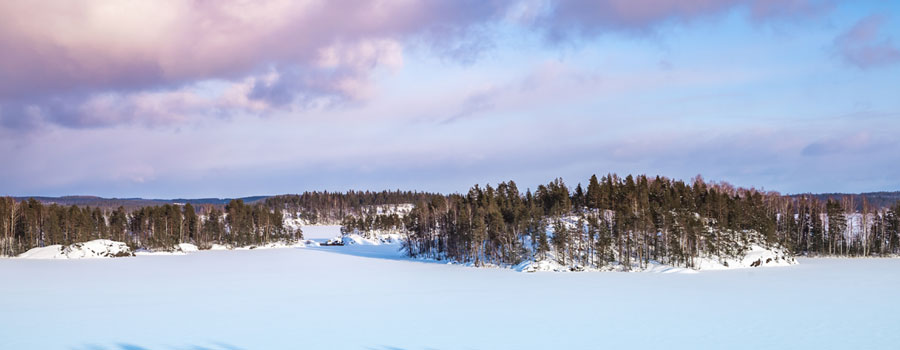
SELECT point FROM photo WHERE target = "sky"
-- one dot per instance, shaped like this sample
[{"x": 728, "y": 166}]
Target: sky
[{"x": 172, "y": 98}]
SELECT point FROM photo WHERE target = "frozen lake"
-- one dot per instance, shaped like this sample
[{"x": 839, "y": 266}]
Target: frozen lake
[{"x": 342, "y": 298}]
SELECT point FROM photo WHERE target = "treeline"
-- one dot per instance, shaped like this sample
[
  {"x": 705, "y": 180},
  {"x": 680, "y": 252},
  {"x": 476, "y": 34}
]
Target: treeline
[
  {"x": 614, "y": 220},
  {"x": 134, "y": 203},
  {"x": 28, "y": 224},
  {"x": 812, "y": 226},
  {"x": 333, "y": 207},
  {"x": 634, "y": 220},
  {"x": 876, "y": 200},
  {"x": 372, "y": 222}
]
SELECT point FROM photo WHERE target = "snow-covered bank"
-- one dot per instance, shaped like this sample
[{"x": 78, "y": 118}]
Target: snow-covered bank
[
  {"x": 186, "y": 248},
  {"x": 98, "y": 248},
  {"x": 104, "y": 248},
  {"x": 547, "y": 265},
  {"x": 755, "y": 256},
  {"x": 392, "y": 239}
]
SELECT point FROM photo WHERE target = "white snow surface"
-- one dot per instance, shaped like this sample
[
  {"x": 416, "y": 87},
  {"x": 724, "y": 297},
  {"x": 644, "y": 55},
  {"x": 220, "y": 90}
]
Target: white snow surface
[
  {"x": 98, "y": 248},
  {"x": 368, "y": 296}
]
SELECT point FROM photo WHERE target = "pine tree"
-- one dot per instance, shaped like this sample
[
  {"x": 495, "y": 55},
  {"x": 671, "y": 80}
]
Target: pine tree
[{"x": 594, "y": 195}]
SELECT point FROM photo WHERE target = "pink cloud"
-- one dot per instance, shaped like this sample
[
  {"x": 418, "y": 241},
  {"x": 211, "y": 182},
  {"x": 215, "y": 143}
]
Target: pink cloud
[
  {"x": 766, "y": 9},
  {"x": 863, "y": 45},
  {"x": 68, "y": 52},
  {"x": 590, "y": 18}
]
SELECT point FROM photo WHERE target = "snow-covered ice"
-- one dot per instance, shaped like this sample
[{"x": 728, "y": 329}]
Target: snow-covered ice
[{"x": 362, "y": 296}]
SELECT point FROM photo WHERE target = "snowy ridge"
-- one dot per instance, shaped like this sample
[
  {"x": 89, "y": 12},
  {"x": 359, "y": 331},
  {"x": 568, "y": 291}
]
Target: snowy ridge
[{"x": 98, "y": 248}]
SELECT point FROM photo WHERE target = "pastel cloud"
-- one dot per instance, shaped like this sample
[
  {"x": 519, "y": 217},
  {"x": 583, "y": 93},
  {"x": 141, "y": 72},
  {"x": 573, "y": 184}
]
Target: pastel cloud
[
  {"x": 864, "y": 46},
  {"x": 107, "y": 62},
  {"x": 856, "y": 143},
  {"x": 68, "y": 52},
  {"x": 222, "y": 98},
  {"x": 564, "y": 19}
]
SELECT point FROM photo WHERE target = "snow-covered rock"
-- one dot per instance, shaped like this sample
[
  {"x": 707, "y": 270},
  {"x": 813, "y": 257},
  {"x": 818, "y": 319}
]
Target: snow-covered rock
[
  {"x": 98, "y": 248},
  {"x": 186, "y": 247},
  {"x": 378, "y": 239},
  {"x": 541, "y": 265},
  {"x": 360, "y": 240},
  {"x": 757, "y": 256}
]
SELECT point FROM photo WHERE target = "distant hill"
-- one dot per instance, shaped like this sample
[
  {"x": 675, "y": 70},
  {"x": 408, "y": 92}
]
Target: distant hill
[
  {"x": 875, "y": 199},
  {"x": 131, "y": 203}
]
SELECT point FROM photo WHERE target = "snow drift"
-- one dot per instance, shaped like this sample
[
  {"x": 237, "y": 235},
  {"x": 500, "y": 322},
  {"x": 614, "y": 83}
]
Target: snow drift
[{"x": 98, "y": 248}]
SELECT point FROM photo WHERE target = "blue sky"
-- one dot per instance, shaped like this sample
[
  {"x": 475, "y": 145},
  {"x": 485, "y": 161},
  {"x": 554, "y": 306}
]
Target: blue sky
[{"x": 112, "y": 99}]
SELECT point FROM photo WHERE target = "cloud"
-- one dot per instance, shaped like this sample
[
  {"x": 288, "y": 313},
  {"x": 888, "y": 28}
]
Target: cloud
[
  {"x": 566, "y": 19},
  {"x": 761, "y": 10},
  {"x": 147, "y": 107},
  {"x": 538, "y": 83},
  {"x": 340, "y": 71},
  {"x": 852, "y": 143},
  {"x": 865, "y": 47},
  {"x": 64, "y": 62},
  {"x": 475, "y": 103},
  {"x": 60, "y": 57}
]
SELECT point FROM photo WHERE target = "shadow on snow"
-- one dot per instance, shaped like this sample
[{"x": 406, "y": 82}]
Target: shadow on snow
[{"x": 383, "y": 251}]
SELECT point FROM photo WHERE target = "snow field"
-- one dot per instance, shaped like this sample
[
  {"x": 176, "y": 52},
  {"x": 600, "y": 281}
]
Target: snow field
[{"x": 340, "y": 298}]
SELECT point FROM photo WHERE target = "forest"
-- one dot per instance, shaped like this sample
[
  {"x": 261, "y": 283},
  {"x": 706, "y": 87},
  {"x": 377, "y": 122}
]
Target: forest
[
  {"x": 635, "y": 220},
  {"x": 30, "y": 223},
  {"x": 333, "y": 207},
  {"x": 614, "y": 220}
]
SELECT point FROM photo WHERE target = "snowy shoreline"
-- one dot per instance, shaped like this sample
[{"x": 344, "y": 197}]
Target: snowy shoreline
[{"x": 388, "y": 246}]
